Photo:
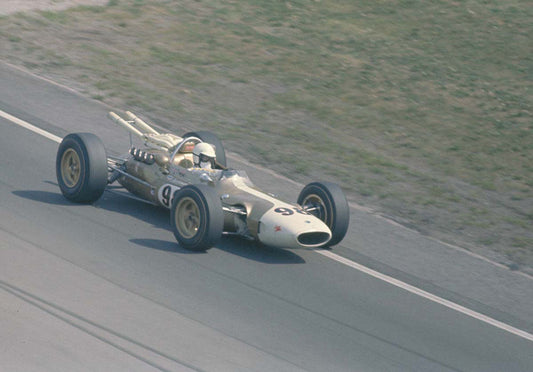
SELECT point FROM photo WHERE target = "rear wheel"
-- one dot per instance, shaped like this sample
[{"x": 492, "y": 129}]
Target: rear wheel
[
  {"x": 212, "y": 139},
  {"x": 197, "y": 217},
  {"x": 81, "y": 167},
  {"x": 326, "y": 201}
]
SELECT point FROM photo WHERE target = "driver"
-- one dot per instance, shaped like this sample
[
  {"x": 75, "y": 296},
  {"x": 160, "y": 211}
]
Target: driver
[{"x": 204, "y": 156}]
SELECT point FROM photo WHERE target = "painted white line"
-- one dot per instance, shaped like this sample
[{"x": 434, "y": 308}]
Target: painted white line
[
  {"x": 29, "y": 126},
  {"x": 427, "y": 295},
  {"x": 342, "y": 260}
]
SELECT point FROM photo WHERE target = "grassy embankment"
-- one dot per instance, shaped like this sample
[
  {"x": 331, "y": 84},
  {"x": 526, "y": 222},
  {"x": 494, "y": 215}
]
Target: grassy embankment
[{"x": 422, "y": 110}]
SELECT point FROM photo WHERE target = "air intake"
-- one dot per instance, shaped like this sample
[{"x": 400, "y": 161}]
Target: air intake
[{"x": 313, "y": 239}]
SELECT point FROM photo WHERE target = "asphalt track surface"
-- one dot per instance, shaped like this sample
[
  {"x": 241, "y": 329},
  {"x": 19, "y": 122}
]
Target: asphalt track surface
[{"x": 106, "y": 287}]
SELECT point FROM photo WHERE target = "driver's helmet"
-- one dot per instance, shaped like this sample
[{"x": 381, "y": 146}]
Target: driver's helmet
[{"x": 204, "y": 155}]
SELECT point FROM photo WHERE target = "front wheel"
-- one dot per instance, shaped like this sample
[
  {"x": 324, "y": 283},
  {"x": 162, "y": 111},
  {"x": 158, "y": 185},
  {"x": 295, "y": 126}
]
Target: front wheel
[
  {"x": 197, "y": 217},
  {"x": 326, "y": 201},
  {"x": 81, "y": 167}
]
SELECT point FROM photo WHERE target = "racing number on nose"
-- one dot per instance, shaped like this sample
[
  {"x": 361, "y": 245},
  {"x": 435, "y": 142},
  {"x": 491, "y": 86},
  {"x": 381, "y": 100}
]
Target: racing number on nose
[{"x": 289, "y": 212}]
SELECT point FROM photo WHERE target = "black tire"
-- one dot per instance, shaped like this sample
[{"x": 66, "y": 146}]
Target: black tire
[
  {"x": 81, "y": 167},
  {"x": 196, "y": 217},
  {"x": 212, "y": 139},
  {"x": 330, "y": 206}
]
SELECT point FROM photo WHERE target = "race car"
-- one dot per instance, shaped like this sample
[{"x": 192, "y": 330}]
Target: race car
[{"x": 189, "y": 176}]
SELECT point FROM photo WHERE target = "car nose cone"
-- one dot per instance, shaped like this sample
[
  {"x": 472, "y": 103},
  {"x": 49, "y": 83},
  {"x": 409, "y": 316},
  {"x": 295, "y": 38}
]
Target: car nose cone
[{"x": 294, "y": 230}]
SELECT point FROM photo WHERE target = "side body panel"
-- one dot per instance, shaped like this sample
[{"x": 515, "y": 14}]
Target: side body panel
[{"x": 265, "y": 218}]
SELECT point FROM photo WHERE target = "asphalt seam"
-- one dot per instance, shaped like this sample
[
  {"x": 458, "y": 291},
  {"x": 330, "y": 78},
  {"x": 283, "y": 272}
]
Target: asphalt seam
[{"x": 84, "y": 325}]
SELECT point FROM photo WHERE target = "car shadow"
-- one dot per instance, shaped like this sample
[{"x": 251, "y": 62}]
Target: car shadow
[
  {"x": 145, "y": 212},
  {"x": 258, "y": 252},
  {"x": 159, "y": 217},
  {"x": 230, "y": 244},
  {"x": 163, "y": 245},
  {"x": 43, "y": 196}
]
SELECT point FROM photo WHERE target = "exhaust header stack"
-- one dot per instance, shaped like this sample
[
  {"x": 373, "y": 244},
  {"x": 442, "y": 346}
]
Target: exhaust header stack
[{"x": 145, "y": 132}]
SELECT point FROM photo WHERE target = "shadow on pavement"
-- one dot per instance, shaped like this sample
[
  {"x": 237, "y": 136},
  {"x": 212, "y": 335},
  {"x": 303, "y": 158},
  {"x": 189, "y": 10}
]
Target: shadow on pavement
[
  {"x": 43, "y": 196},
  {"x": 158, "y": 217}
]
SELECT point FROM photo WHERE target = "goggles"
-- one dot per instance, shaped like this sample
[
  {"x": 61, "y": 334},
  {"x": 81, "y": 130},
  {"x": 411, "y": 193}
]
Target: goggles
[{"x": 205, "y": 158}]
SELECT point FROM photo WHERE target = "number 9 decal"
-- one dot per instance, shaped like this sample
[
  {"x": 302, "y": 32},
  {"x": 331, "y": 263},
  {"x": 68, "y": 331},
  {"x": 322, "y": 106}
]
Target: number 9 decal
[
  {"x": 288, "y": 211},
  {"x": 284, "y": 211},
  {"x": 166, "y": 194}
]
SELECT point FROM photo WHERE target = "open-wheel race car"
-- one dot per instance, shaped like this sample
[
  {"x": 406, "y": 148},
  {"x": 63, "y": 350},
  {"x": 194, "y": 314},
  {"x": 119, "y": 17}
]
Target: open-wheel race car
[{"x": 189, "y": 176}]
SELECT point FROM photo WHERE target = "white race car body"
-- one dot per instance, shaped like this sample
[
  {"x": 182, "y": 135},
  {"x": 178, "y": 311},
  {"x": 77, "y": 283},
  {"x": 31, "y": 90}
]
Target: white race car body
[
  {"x": 204, "y": 203},
  {"x": 248, "y": 211}
]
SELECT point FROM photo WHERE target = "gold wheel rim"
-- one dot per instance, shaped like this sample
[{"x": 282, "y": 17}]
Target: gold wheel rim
[
  {"x": 187, "y": 217},
  {"x": 70, "y": 168},
  {"x": 317, "y": 205}
]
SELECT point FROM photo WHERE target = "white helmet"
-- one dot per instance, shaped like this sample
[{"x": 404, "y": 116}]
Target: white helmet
[{"x": 204, "y": 155}]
